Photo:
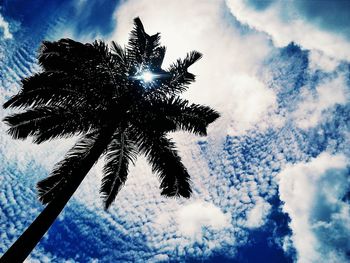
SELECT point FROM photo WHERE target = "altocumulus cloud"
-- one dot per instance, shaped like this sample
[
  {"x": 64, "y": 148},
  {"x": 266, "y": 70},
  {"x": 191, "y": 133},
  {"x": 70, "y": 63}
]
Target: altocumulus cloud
[
  {"x": 193, "y": 217},
  {"x": 316, "y": 104},
  {"x": 4, "y": 25},
  {"x": 257, "y": 215}
]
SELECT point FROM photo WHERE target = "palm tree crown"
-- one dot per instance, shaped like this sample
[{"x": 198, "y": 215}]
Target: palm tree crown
[{"x": 119, "y": 95}]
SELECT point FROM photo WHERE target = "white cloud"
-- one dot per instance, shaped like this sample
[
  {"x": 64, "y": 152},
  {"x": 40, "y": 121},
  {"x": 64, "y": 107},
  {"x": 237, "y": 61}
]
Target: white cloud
[
  {"x": 253, "y": 103},
  {"x": 310, "y": 111},
  {"x": 5, "y": 28},
  {"x": 313, "y": 194},
  {"x": 160, "y": 258},
  {"x": 320, "y": 61},
  {"x": 256, "y": 216},
  {"x": 191, "y": 218},
  {"x": 291, "y": 27}
]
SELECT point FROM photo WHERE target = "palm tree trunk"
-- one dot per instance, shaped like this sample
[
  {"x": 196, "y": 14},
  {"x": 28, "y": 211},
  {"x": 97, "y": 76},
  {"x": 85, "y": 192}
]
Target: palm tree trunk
[{"x": 20, "y": 250}]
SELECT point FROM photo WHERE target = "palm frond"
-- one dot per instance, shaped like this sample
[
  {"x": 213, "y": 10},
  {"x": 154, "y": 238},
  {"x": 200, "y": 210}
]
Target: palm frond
[
  {"x": 53, "y": 79},
  {"x": 61, "y": 176},
  {"x": 119, "y": 51},
  {"x": 120, "y": 152},
  {"x": 141, "y": 45},
  {"x": 162, "y": 155},
  {"x": 195, "y": 118},
  {"x": 166, "y": 114},
  {"x": 157, "y": 57},
  {"x": 62, "y": 129},
  {"x": 104, "y": 57},
  {"x": 59, "y": 88},
  {"x": 65, "y": 55},
  {"x": 179, "y": 77},
  {"x": 189, "y": 60},
  {"x": 110, "y": 73},
  {"x": 93, "y": 64},
  {"x": 45, "y": 96},
  {"x": 44, "y": 123}
]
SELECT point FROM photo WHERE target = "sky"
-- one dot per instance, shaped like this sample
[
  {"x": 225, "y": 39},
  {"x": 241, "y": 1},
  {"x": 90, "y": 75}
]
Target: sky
[{"x": 270, "y": 181}]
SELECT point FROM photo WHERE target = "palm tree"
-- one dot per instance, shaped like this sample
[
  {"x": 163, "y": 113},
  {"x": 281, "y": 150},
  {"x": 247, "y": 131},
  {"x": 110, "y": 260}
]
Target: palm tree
[{"x": 121, "y": 103}]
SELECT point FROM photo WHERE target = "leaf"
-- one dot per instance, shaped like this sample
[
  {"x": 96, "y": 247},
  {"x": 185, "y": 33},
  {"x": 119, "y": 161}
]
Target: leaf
[
  {"x": 44, "y": 123},
  {"x": 61, "y": 176},
  {"x": 120, "y": 152},
  {"x": 169, "y": 114},
  {"x": 162, "y": 155},
  {"x": 141, "y": 45}
]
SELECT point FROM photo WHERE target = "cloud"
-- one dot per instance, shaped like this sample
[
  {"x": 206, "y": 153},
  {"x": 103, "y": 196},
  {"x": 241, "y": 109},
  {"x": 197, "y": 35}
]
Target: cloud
[
  {"x": 5, "y": 28},
  {"x": 313, "y": 194},
  {"x": 257, "y": 215},
  {"x": 311, "y": 110},
  {"x": 319, "y": 61},
  {"x": 254, "y": 105},
  {"x": 281, "y": 21},
  {"x": 193, "y": 217}
]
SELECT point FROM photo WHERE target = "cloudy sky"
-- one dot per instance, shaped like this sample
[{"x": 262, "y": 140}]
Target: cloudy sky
[{"x": 271, "y": 179}]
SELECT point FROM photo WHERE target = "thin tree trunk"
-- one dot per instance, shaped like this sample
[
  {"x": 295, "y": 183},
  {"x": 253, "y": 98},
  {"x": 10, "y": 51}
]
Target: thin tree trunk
[{"x": 20, "y": 250}]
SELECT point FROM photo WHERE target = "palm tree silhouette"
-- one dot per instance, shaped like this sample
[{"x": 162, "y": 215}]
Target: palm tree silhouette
[{"x": 121, "y": 103}]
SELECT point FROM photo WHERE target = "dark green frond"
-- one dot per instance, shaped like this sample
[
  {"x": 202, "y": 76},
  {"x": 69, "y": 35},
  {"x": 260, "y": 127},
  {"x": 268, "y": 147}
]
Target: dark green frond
[
  {"x": 61, "y": 176},
  {"x": 120, "y": 152},
  {"x": 195, "y": 118},
  {"x": 44, "y": 123},
  {"x": 141, "y": 45},
  {"x": 157, "y": 57},
  {"x": 190, "y": 59},
  {"x": 65, "y": 55},
  {"x": 165, "y": 114},
  {"x": 58, "y": 89},
  {"x": 162, "y": 155},
  {"x": 121, "y": 62},
  {"x": 45, "y": 96},
  {"x": 64, "y": 128},
  {"x": 46, "y": 79},
  {"x": 110, "y": 73},
  {"x": 93, "y": 65},
  {"x": 179, "y": 77},
  {"x": 118, "y": 50},
  {"x": 105, "y": 58}
]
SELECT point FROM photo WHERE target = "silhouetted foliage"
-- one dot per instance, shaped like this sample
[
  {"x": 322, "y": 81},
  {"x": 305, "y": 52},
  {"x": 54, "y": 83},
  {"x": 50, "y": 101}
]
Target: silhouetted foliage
[{"x": 86, "y": 87}]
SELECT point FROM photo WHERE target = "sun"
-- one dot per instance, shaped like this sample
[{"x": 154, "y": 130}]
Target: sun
[{"x": 147, "y": 76}]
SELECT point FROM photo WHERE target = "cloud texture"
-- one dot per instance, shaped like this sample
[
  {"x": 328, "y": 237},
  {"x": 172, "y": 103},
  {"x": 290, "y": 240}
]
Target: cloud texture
[
  {"x": 284, "y": 126},
  {"x": 313, "y": 194}
]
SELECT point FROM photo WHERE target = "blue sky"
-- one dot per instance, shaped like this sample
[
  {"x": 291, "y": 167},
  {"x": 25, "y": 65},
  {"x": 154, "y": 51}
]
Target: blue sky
[{"x": 271, "y": 179}]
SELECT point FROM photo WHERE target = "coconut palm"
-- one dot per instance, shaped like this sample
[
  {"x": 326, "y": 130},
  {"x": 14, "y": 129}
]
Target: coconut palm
[{"x": 121, "y": 103}]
